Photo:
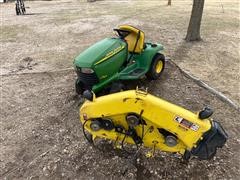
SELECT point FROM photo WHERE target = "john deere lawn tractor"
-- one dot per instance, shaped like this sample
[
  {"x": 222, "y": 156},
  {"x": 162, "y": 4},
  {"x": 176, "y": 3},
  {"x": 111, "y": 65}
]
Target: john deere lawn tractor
[
  {"x": 113, "y": 60},
  {"x": 138, "y": 118}
]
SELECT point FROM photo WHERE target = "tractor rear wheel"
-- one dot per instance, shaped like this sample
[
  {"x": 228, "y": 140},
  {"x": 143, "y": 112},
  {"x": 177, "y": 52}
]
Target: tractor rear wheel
[{"x": 157, "y": 66}]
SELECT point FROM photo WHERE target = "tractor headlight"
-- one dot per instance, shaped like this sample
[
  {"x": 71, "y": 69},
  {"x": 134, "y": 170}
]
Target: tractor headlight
[{"x": 87, "y": 70}]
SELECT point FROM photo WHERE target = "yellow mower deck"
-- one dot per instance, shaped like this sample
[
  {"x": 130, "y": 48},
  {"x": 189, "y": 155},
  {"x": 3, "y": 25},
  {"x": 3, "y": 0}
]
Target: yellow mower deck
[{"x": 156, "y": 113}]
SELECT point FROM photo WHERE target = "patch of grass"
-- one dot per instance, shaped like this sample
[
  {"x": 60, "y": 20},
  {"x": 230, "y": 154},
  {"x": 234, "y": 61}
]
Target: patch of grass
[
  {"x": 67, "y": 16},
  {"x": 64, "y": 18},
  {"x": 212, "y": 24},
  {"x": 10, "y": 33}
]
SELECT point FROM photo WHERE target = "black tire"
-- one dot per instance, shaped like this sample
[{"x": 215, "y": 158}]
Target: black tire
[
  {"x": 79, "y": 87},
  {"x": 154, "y": 72},
  {"x": 24, "y": 10},
  {"x": 17, "y": 10}
]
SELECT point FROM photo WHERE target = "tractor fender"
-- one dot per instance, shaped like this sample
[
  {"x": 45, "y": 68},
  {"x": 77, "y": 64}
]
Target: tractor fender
[{"x": 146, "y": 58}]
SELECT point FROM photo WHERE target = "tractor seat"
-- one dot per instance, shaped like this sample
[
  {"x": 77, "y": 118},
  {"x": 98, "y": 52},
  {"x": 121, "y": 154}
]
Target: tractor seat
[{"x": 134, "y": 38}]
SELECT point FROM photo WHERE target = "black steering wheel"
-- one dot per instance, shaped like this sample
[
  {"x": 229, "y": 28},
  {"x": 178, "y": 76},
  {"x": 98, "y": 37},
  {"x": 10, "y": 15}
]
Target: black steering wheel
[{"x": 122, "y": 33}]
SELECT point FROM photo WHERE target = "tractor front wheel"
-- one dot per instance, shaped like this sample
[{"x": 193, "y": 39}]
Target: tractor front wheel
[
  {"x": 79, "y": 87},
  {"x": 157, "y": 66}
]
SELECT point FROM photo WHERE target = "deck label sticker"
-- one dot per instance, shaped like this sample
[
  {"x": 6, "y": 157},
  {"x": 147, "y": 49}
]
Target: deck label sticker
[{"x": 187, "y": 124}]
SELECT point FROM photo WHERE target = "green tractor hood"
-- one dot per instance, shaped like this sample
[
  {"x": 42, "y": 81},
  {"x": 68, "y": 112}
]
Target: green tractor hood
[{"x": 98, "y": 51}]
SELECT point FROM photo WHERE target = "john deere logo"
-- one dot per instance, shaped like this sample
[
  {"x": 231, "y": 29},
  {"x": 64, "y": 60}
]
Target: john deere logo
[
  {"x": 103, "y": 77},
  {"x": 115, "y": 51},
  {"x": 110, "y": 54}
]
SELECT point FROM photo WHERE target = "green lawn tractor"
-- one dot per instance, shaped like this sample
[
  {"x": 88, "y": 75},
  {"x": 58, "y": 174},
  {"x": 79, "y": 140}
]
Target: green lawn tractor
[{"x": 109, "y": 62}]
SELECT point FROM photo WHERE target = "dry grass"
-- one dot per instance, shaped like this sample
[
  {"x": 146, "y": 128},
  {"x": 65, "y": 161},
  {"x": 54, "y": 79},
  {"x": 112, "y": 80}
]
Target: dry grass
[{"x": 11, "y": 33}]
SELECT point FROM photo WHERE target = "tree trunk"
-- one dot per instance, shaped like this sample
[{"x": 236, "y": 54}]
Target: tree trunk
[
  {"x": 169, "y": 2},
  {"x": 193, "y": 33}
]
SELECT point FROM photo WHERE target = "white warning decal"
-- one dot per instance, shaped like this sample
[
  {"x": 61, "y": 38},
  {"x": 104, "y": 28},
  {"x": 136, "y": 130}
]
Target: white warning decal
[{"x": 187, "y": 124}]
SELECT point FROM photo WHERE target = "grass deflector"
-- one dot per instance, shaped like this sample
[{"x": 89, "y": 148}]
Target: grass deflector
[
  {"x": 111, "y": 60},
  {"x": 138, "y": 118}
]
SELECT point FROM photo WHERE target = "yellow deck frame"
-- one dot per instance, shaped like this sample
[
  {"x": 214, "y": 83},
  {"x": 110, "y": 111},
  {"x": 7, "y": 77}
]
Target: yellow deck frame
[{"x": 157, "y": 113}]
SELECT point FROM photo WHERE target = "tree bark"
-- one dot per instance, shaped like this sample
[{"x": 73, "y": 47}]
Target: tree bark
[
  {"x": 169, "y": 2},
  {"x": 193, "y": 33}
]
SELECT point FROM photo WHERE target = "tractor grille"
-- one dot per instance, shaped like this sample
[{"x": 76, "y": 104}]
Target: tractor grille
[{"x": 88, "y": 79}]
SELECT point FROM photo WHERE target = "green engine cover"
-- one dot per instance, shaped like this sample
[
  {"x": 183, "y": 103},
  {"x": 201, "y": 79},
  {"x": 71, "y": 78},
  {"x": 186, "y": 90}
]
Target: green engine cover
[{"x": 105, "y": 57}]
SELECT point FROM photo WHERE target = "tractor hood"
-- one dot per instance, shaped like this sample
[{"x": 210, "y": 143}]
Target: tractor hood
[{"x": 97, "y": 52}]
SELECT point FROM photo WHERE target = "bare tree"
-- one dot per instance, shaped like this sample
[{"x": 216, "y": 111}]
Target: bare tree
[
  {"x": 193, "y": 33},
  {"x": 169, "y": 2}
]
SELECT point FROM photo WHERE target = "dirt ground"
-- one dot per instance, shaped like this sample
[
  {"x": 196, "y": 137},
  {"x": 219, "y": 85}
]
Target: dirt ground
[{"x": 40, "y": 133}]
